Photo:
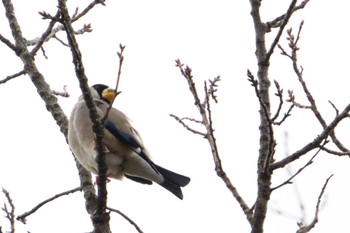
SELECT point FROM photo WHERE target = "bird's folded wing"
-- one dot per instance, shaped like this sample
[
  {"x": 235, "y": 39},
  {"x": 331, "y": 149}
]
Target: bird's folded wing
[{"x": 128, "y": 140}]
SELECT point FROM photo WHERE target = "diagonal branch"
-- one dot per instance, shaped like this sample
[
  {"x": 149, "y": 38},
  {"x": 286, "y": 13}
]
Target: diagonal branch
[
  {"x": 277, "y": 21},
  {"x": 47, "y": 96},
  {"x": 23, "y": 217},
  {"x": 8, "y": 78},
  {"x": 315, "y": 143},
  {"x": 288, "y": 181},
  {"x": 127, "y": 218},
  {"x": 286, "y": 17},
  {"x": 307, "y": 228},
  {"x": 293, "y": 44}
]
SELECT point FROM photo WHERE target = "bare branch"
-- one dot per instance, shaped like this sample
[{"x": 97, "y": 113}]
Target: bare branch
[
  {"x": 87, "y": 9},
  {"x": 100, "y": 218},
  {"x": 279, "y": 94},
  {"x": 286, "y": 115},
  {"x": 278, "y": 21},
  {"x": 23, "y": 217},
  {"x": 296, "y": 104},
  {"x": 207, "y": 122},
  {"x": 8, "y": 43},
  {"x": 127, "y": 218},
  {"x": 51, "y": 32},
  {"x": 315, "y": 143},
  {"x": 286, "y": 17},
  {"x": 121, "y": 59},
  {"x": 333, "y": 152},
  {"x": 180, "y": 120},
  {"x": 63, "y": 93},
  {"x": 10, "y": 213},
  {"x": 300, "y": 169},
  {"x": 8, "y": 78},
  {"x": 213, "y": 88},
  {"x": 307, "y": 228},
  {"x": 272, "y": 143},
  {"x": 293, "y": 44},
  {"x": 335, "y": 108}
]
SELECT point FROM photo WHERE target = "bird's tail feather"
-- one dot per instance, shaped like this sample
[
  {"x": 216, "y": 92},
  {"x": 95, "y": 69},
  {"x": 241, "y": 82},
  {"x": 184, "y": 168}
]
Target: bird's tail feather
[{"x": 173, "y": 181}]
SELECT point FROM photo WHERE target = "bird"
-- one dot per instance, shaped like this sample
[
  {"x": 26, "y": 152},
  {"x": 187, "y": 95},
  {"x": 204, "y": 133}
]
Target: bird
[{"x": 125, "y": 153}]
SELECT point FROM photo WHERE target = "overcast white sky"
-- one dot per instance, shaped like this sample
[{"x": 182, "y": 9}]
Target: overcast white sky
[{"x": 214, "y": 38}]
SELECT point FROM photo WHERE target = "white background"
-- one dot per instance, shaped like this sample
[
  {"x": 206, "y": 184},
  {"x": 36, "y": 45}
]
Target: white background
[{"x": 214, "y": 38}]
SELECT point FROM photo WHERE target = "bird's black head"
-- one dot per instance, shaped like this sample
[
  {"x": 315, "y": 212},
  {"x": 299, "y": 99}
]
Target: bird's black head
[{"x": 100, "y": 88}]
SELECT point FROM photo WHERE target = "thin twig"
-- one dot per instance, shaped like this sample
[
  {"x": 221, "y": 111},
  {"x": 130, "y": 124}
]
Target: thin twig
[
  {"x": 286, "y": 115},
  {"x": 286, "y": 17},
  {"x": 51, "y": 31},
  {"x": 127, "y": 218},
  {"x": 291, "y": 99},
  {"x": 180, "y": 120},
  {"x": 307, "y": 228},
  {"x": 63, "y": 93},
  {"x": 44, "y": 37},
  {"x": 279, "y": 94},
  {"x": 23, "y": 217},
  {"x": 315, "y": 143},
  {"x": 10, "y": 214},
  {"x": 288, "y": 181},
  {"x": 333, "y": 152},
  {"x": 293, "y": 44},
  {"x": 121, "y": 59},
  {"x": 335, "y": 108},
  {"x": 8, "y": 78},
  {"x": 277, "y": 21},
  {"x": 207, "y": 122},
  {"x": 213, "y": 88}
]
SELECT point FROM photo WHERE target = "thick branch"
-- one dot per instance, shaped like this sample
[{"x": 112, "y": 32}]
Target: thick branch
[
  {"x": 100, "y": 217},
  {"x": 266, "y": 134}
]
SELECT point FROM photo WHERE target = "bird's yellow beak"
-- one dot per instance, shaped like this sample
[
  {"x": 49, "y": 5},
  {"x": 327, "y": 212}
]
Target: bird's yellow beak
[{"x": 109, "y": 94}]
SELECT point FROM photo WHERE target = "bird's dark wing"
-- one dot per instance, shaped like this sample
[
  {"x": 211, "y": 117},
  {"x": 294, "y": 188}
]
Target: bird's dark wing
[{"x": 128, "y": 140}]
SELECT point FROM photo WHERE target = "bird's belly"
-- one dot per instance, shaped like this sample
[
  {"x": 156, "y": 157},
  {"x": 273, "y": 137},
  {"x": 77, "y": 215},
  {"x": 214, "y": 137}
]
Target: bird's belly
[{"x": 115, "y": 166}]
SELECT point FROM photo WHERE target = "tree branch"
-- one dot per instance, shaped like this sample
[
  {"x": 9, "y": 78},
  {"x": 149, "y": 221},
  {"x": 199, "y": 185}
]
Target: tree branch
[
  {"x": 315, "y": 143},
  {"x": 293, "y": 44},
  {"x": 209, "y": 135},
  {"x": 23, "y": 217},
  {"x": 288, "y": 181},
  {"x": 127, "y": 218},
  {"x": 277, "y": 21},
  {"x": 100, "y": 217},
  {"x": 307, "y": 228},
  {"x": 286, "y": 17},
  {"x": 10, "y": 213},
  {"x": 8, "y": 78}
]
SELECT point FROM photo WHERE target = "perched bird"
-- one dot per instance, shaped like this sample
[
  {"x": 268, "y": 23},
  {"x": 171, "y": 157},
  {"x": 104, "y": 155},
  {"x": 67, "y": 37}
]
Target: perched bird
[{"x": 125, "y": 152}]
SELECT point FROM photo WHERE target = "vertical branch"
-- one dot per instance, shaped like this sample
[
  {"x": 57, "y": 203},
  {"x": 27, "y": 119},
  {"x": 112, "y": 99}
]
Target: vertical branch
[
  {"x": 205, "y": 112},
  {"x": 100, "y": 218},
  {"x": 264, "y": 176},
  {"x": 10, "y": 213}
]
